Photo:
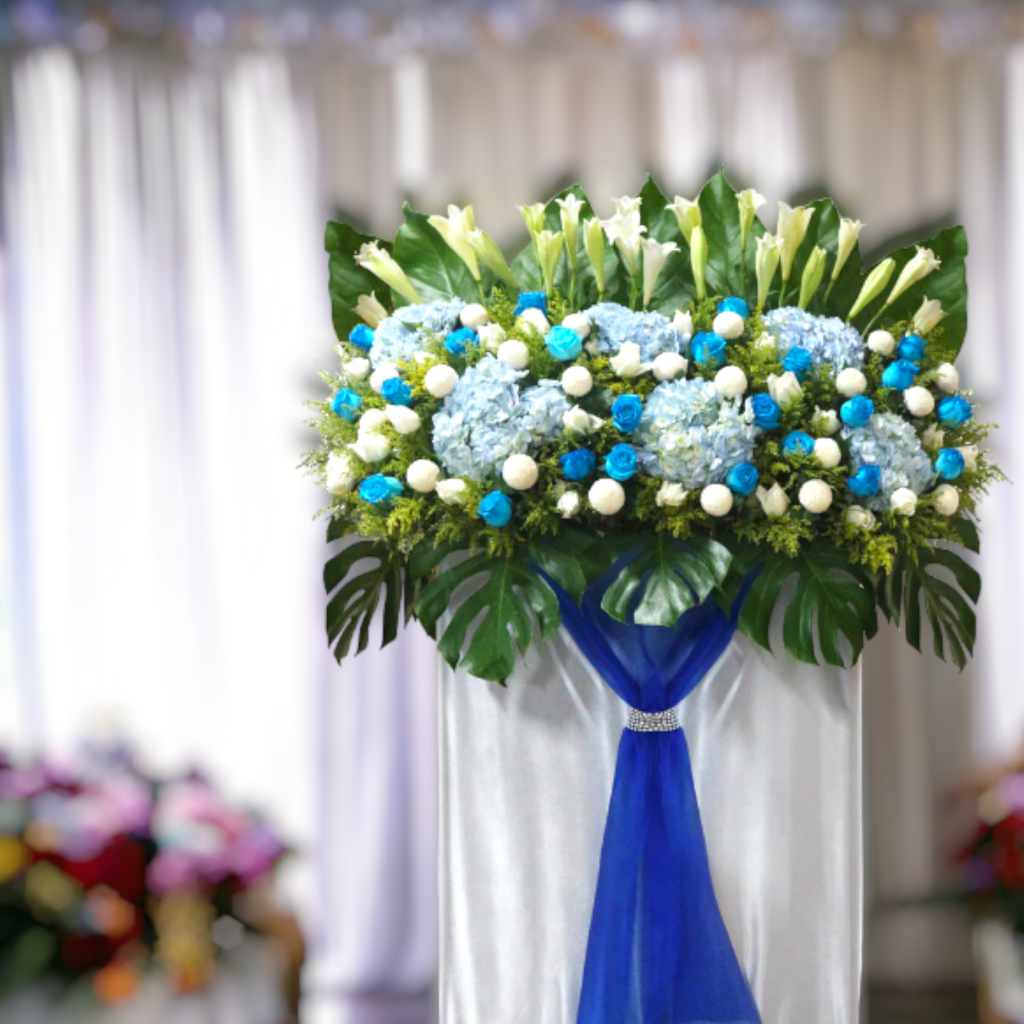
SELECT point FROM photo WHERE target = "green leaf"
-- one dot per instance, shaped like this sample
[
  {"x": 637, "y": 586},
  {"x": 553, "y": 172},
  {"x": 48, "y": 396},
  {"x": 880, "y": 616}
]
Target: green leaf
[
  {"x": 348, "y": 280},
  {"x": 553, "y": 558},
  {"x": 434, "y": 268},
  {"x": 730, "y": 271}
]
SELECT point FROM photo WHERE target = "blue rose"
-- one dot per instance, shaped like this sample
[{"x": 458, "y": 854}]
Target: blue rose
[
  {"x": 865, "y": 481},
  {"x": 911, "y": 348},
  {"x": 378, "y": 489},
  {"x": 856, "y": 411},
  {"x": 626, "y": 412},
  {"x": 346, "y": 404},
  {"x": 578, "y": 464},
  {"x": 361, "y": 336},
  {"x": 955, "y": 411},
  {"x": 531, "y": 300},
  {"x": 949, "y": 464},
  {"x": 495, "y": 509},
  {"x": 899, "y": 375},
  {"x": 396, "y": 391},
  {"x": 708, "y": 348},
  {"x": 766, "y": 411},
  {"x": 798, "y": 443},
  {"x": 620, "y": 462},
  {"x": 564, "y": 343},
  {"x": 799, "y": 361},
  {"x": 734, "y": 304},
  {"x": 457, "y": 341},
  {"x": 742, "y": 478}
]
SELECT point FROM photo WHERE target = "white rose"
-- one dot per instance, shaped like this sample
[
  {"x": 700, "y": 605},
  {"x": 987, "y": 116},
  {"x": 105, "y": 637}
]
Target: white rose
[
  {"x": 881, "y": 342},
  {"x": 933, "y": 438},
  {"x": 671, "y": 495},
  {"x": 577, "y": 322},
  {"x": 381, "y": 374},
  {"x": 341, "y": 474},
  {"x": 683, "y": 323},
  {"x": 473, "y": 316},
  {"x": 851, "y": 382},
  {"x": 947, "y": 377},
  {"x": 716, "y": 500},
  {"x": 422, "y": 475},
  {"x": 580, "y": 420},
  {"x": 371, "y": 447},
  {"x": 514, "y": 354},
  {"x": 815, "y": 496},
  {"x": 919, "y": 401},
  {"x": 607, "y": 496},
  {"x": 730, "y": 382},
  {"x": 970, "y": 454},
  {"x": 827, "y": 453},
  {"x": 863, "y": 518},
  {"x": 536, "y": 319},
  {"x": 569, "y": 504},
  {"x": 774, "y": 501},
  {"x": 439, "y": 380},
  {"x": 577, "y": 381},
  {"x": 356, "y": 369},
  {"x": 626, "y": 362},
  {"x": 491, "y": 336},
  {"x": 668, "y": 366},
  {"x": 947, "y": 499},
  {"x": 420, "y": 356},
  {"x": 784, "y": 388},
  {"x": 903, "y": 501},
  {"x": 519, "y": 472},
  {"x": 825, "y": 422},
  {"x": 372, "y": 420},
  {"x": 764, "y": 341},
  {"x": 728, "y": 325},
  {"x": 451, "y": 492},
  {"x": 403, "y": 419}
]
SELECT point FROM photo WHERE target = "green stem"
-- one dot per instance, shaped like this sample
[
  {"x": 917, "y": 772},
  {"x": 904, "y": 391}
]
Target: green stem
[
  {"x": 634, "y": 292},
  {"x": 782, "y": 292},
  {"x": 828, "y": 292},
  {"x": 871, "y": 323}
]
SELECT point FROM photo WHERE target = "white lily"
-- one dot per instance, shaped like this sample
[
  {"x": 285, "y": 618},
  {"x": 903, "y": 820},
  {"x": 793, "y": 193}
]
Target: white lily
[
  {"x": 570, "y": 208},
  {"x": 453, "y": 229},
  {"x": 928, "y": 316},
  {"x": 593, "y": 243},
  {"x": 766, "y": 263},
  {"x": 381, "y": 263},
  {"x": 371, "y": 309},
  {"x": 814, "y": 271},
  {"x": 534, "y": 218},
  {"x": 873, "y": 286},
  {"x": 920, "y": 265},
  {"x": 792, "y": 228},
  {"x": 687, "y": 214},
  {"x": 748, "y": 201},
  {"x": 849, "y": 232},
  {"x": 488, "y": 253},
  {"x": 624, "y": 231},
  {"x": 655, "y": 254},
  {"x": 549, "y": 251}
]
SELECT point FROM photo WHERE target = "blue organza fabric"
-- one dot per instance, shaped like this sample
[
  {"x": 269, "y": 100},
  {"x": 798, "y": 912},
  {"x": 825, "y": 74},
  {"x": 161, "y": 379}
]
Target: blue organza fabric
[{"x": 658, "y": 951}]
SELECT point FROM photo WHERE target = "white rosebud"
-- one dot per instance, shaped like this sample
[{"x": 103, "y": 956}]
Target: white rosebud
[
  {"x": 607, "y": 496},
  {"x": 716, "y": 500},
  {"x": 851, "y": 382},
  {"x": 356, "y": 369},
  {"x": 903, "y": 501},
  {"x": 668, "y": 366},
  {"x": 569, "y": 504},
  {"x": 970, "y": 454},
  {"x": 774, "y": 501},
  {"x": 815, "y": 496},
  {"x": 862, "y": 518},
  {"x": 827, "y": 453},
  {"x": 491, "y": 336},
  {"x": 581, "y": 421},
  {"x": 933, "y": 438},
  {"x": 730, "y": 382},
  {"x": 519, "y": 472},
  {"x": 825, "y": 422},
  {"x": 439, "y": 380},
  {"x": 372, "y": 420},
  {"x": 403, "y": 419},
  {"x": 341, "y": 474},
  {"x": 372, "y": 447},
  {"x": 784, "y": 388},
  {"x": 728, "y": 325},
  {"x": 577, "y": 381},
  {"x": 422, "y": 475},
  {"x": 451, "y": 492},
  {"x": 919, "y": 401},
  {"x": 683, "y": 323},
  {"x": 947, "y": 499},
  {"x": 535, "y": 319},
  {"x": 420, "y": 357},
  {"x": 671, "y": 495},
  {"x": 577, "y": 322},
  {"x": 474, "y": 316},
  {"x": 947, "y": 377},
  {"x": 881, "y": 342},
  {"x": 765, "y": 341},
  {"x": 626, "y": 362},
  {"x": 928, "y": 316},
  {"x": 384, "y": 372},
  {"x": 514, "y": 354}
]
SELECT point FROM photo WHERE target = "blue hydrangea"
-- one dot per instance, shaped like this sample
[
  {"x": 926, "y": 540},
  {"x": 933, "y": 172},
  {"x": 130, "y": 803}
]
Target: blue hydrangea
[
  {"x": 690, "y": 436},
  {"x": 612, "y": 325},
  {"x": 827, "y": 338},
  {"x": 486, "y": 418},
  {"x": 406, "y": 330},
  {"x": 889, "y": 442}
]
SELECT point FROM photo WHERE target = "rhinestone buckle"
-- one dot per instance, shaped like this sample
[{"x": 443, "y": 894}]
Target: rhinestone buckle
[{"x": 657, "y": 721}]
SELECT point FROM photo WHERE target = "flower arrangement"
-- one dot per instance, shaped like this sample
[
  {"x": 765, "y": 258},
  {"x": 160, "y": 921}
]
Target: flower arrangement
[
  {"x": 104, "y": 872},
  {"x": 736, "y": 410}
]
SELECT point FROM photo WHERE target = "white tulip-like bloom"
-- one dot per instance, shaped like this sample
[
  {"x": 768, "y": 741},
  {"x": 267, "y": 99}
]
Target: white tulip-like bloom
[
  {"x": 439, "y": 380},
  {"x": 514, "y": 354},
  {"x": 683, "y": 323},
  {"x": 970, "y": 454},
  {"x": 341, "y": 473},
  {"x": 655, "y": 254},
  {"x": 422, "y": 475},
  {"x": 451, "y": 492},
  {"x": 403, "y": 419},
  {"x": 372, "y": 447},
  {"x": 569, "y": 505},
  {"x": 624, "y": 231},
  {"x": 474, "y": 316},
  {"x": 728, "y": 325},
  {"x": 851, "y": 382},
  {"x": 784, "y": 388},
  {"x": 581, "y": 421},
  {"x": 881, "y": 342},
  {"x": 520, "y": 472},
  {"x": 381, "y": 374},
  {"x": 577, "y": 381},
  {"x": 730, "y": 382},
  {"x": 774, "y": 501},
  {"x": 947, "y": 377},
  {"x": 825, "y": 422},
  {"x": 491, "y": 336},
  {"x": 668, "y": 366},
  {"x": 371, "y": 309},
  {"x": 918, "y": 267},
  {"x": 947, "y": 499},
  {"x": 827, "y": 453},
  {"x": 536, "y": 319},
  {"x": 765, "y": 341},
  {"x": 421, "y": 356},
  {"x": 607, "y": 496},
  {"x": 815, "y": 496},
  {"x": 454, "y": 229},
  {"x": 670, "y": 495},
  {"x": 372, "y": 420},
  {"x": 716, "y": 500},
  {"x": 919, "y": 401},
  {"x": 382, "y": 264},
  {"x": 626, "y": 362},
  {"x": 356, "y": 369},
  {"x": 903, "y": 501},
  {"x": 928, "y": 316},
  {"x": 577, "y": 322},
  {"x": 862, "y": 518}
]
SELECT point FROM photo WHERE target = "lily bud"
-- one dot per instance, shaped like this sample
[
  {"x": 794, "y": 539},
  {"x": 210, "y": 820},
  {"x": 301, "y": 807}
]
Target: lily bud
[
  {"x": 453, "y": 229},
  {"x": 655, "y": 254},
  {"x": 928, "y": 316},
  {"x": 687, "y": 216},
  {"x": 534, "y": 218},
  {"x": 488, "y": 253},
  {"x": 793, "y": 225},
  {"x": 570, "y": 212},
  {"x": 370, "y": 308},
  {"x": 382, "y": 264},
  {"x": 765, "y": 265},
  {"x": 593, "y": 242},
  {"x": 699, "y": 259},
  {"x": 624, "y": 231},
  {"x": 748, "y": 201},
  {"x": 814, "y": 271},
  {"x": 921, "y": 264},
  {"x": 873, "y": 286},
  {"x": 849, "y": 232},
  {"x": 549, "y": 250}
]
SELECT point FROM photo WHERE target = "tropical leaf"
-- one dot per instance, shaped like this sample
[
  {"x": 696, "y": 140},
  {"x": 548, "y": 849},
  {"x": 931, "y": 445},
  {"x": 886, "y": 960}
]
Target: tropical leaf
[
  {"x": 348, "y": 280},
  {"x": 432, "y": 266},
  {"x": 730, "y": 271}
]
